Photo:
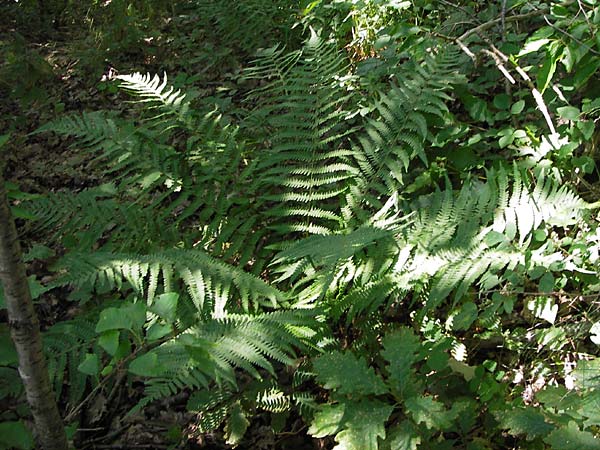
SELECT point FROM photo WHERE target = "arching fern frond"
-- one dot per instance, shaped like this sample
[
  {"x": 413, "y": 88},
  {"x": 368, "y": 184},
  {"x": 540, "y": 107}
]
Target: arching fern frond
[
  {"x": 214, "y": 348},
  {"x": 159, "y": 95},
  {"x": 212, "y": 285}
]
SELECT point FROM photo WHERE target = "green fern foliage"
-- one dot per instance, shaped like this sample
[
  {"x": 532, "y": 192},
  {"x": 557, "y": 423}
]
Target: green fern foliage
[
  {"x": 158, "y": 94},
  {"x": 238, "y": 22},
  {"x": 212, "y": 286},
  {"x": 211, "y": 350},
  {"x": 454, "y": 240},
  {"x": 307, "y": 166},
  {"x": 404, "y": 118},
  {"x": 66, "y": 345}
]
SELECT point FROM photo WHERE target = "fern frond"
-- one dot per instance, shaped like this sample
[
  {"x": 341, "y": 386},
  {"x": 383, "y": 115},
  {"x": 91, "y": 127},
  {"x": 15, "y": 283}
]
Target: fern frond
[
  {"x": 65, "y": 345},
  {"x": 307, "y": 168},
  {"x": 157, "y": 92},
  {"x": 205, "y": 278},
  {"x": 214, "y": 348}
]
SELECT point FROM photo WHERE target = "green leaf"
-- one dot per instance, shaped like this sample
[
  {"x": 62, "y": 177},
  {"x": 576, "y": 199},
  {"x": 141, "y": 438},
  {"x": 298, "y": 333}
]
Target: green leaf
[
  {"x": 463, "y": 319},
  {"x": 590, "y": 408},
  {"x": 90, "y": 365},
  {"x": 15, "y": 435},
  {"x": 507, "y": 137},
  {"x": 157, "y": 331},
  {"x": 109, "y": 341},
  {"x": 347, "y": 374},
  {"x": 568, "y": 112},
  {"x": 402, "y": 437},
  {"x": 517, "y": 107},
  {"x": 524, "y": 421},
  {"x": 401, "y": 351},
  {"x": 533, "y": 45},
  {"x": 165, "y": 306},
  {"x": 430, "y": 412},
  {"x": 127, "y": 317},
  {"x": 358, "y": 424},
  {"x": 328, "y": 420},
  {"x": 146, "y": 365},
  {"x": 547, "y": 283},
  {"x": 546, "y": 73},
  {"x": 587, "y": 373},
  {"x": 501, "y": 101},
  {"x": 477, "y": 108},
  {"x": 587, "y": 128},
  {"x": 572, "y": 438},
  {"x": 236, "y": 425}
]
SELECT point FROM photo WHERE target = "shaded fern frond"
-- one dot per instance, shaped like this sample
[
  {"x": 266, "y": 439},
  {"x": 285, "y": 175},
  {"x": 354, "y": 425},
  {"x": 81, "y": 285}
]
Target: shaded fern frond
[
  {"x": 239, "y": 21},
  {"x": 96, "y": 214},
  {"x": 65, "y": 345},
  {"x": 307, "y": 167},
  {"x": 404, "y": 116},
  {"x": 213, "y": 349}
]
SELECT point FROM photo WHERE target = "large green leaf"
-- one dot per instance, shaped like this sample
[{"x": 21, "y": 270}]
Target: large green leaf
[
  {"x": 524, "y": 421},
  {"x": 572, "y": 438},
  {"x": 403, "y": 437},
  {"x": 347, "y": 374},
  {"x": 130, "y": 316},
  {"x": 358, "y": 424},
  {"x": 401, "y": 348},
  {"x": 430, "y": 412},
  {"x": 15, "y": 435}
]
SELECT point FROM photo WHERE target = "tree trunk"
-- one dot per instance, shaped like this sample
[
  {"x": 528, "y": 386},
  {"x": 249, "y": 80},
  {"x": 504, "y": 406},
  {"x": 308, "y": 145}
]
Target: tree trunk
[{"x": 25, "y": 332}]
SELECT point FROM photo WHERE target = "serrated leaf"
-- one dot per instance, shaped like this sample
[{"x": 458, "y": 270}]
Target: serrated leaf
[
  {"x": 358, "y": 424},
  {"x": 401, "y": 348},
  {"x": 236, "y": 425},
  {"x": 524, "y": 421},
  {"x": 402, "y": 437},
  {"x": 572, "y": 438},
  {"x": 430, "y": 412},
  {"x": 347, "y": 374}
]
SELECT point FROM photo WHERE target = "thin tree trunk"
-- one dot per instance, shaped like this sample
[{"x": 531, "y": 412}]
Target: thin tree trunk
[{"x": 25, "y": 332}]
